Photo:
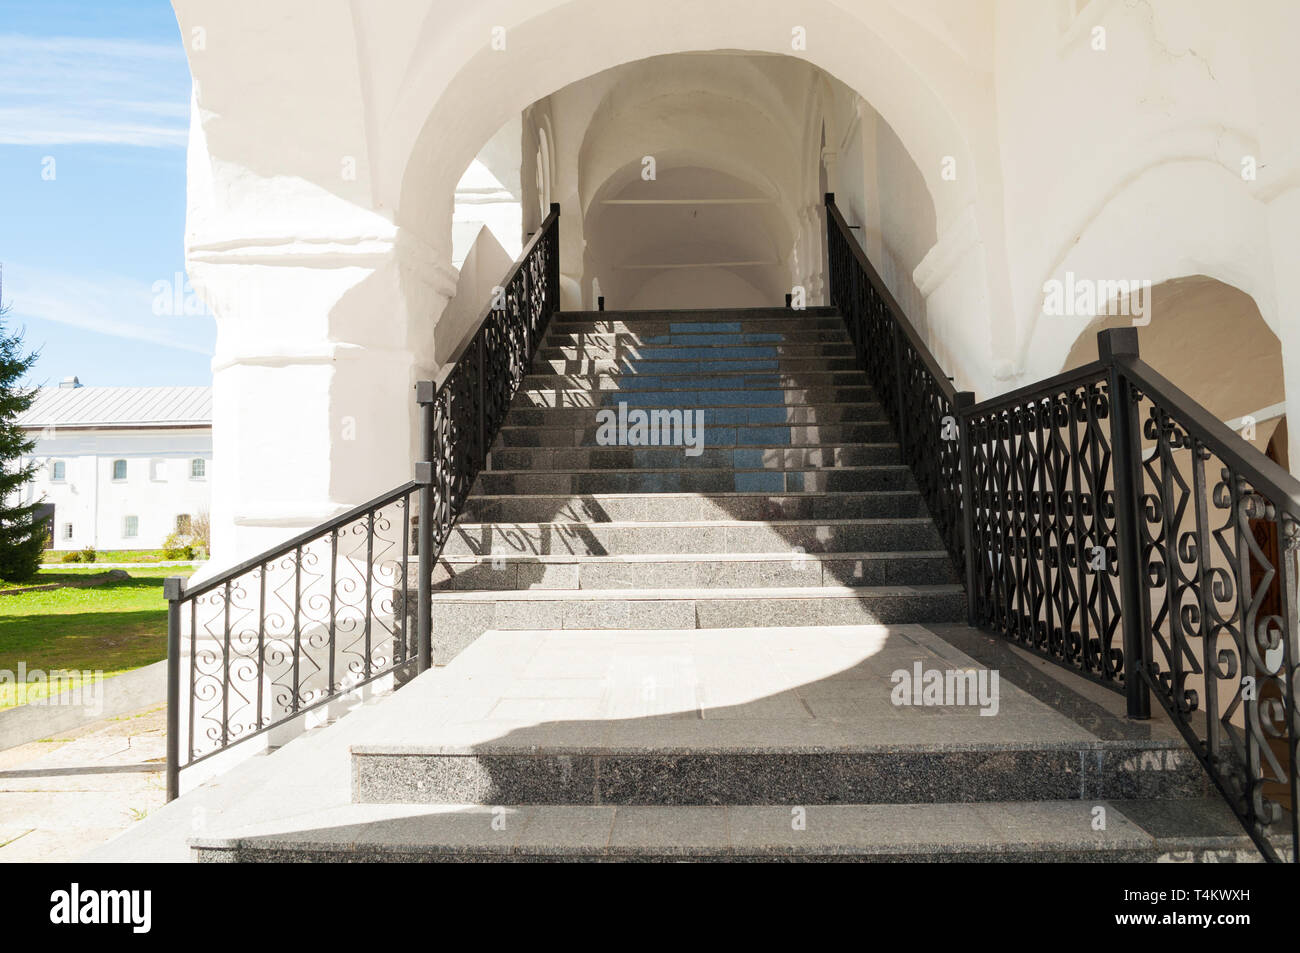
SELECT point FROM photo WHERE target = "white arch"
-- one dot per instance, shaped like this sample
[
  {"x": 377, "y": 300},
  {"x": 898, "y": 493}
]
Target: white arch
[
  {"x": 474, "y": 89},
  {"x": 1149, "y": 231}
]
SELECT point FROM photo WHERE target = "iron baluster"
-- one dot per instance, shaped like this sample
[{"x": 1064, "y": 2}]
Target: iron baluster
[{"x": 173, "y": 591}]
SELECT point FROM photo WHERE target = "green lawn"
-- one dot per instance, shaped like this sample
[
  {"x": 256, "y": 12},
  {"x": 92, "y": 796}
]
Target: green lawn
[
  {"x": 110, "y": 556},
  {"x": 49, "y": 574},
  {"x": 111, "y": 628}
]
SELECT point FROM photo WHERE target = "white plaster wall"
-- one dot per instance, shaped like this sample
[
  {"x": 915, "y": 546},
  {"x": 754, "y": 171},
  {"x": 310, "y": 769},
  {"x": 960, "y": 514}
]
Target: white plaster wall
[
  {"x": 158, "y": 486},
  {"x": 483, "y": 269},
  {"x": 880, "y": 190},
  {"x": 1125, "y": 160},
  {"x": 699, "y": 288}
]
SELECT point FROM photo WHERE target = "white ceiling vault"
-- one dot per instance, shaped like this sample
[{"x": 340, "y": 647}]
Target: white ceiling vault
[{"x": 688, "y": 176}]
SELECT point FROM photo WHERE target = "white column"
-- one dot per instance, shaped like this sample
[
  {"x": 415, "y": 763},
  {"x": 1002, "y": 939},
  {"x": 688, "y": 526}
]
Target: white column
[{"x": 318, "y": 352}]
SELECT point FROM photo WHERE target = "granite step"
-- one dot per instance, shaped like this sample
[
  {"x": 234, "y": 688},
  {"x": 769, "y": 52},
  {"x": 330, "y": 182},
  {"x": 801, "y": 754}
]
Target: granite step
[
  {"x": 691, "y": 571},
  {"x": 689, "y": 457},
  {"x": 749, "y": 395},
  {"x": 698, "y": 537},
  {"x": 1188, "y": 830},
  {"x": 787, "y": 356},
  {"x": 690, "y": 507},
  {"x": 630, "y": 322},
  {"x": 708, "y": 365},
  {"x": 461, "y": 617},
  {"x": 721, "y": 380},
  {"x": 714, "y": 435},
  {"x": 523, "y": 415},
  {"x": 883, "y": 477},
  {"x": 661, "y": 771},
  {"x": 788, "y": 337},
  {"x": 700, "y": 314}
]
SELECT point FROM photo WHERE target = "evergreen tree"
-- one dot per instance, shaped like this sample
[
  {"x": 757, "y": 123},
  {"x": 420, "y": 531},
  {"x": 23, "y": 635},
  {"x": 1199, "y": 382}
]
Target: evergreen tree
[{"x": 22, "y": 539}]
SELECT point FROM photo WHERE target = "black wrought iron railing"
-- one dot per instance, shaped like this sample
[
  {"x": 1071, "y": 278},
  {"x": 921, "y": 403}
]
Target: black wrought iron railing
[
  {"x": 1104, "y": 519},
  {"x": 322, "y": 615},
  {"x": 920, "y": 400}
]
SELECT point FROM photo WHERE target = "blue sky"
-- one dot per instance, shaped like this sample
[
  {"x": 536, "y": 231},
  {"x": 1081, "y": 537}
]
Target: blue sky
[{"x": 101, "y": 88}]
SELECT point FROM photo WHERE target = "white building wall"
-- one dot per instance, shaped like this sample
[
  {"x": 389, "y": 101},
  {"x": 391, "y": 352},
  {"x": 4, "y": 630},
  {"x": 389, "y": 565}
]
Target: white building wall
[{"x": 158, "y": 485}]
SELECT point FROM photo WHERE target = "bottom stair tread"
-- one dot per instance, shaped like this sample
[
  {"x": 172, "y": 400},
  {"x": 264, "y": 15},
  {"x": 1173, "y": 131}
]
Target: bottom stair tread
[
  {"x": 603, "y": 595},
  {"x": 994, "y": 831}
]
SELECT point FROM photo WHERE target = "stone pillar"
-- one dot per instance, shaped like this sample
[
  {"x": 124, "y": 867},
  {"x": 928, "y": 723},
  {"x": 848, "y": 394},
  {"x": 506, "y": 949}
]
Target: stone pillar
[
  {"x": 318, "y": 349},
  {"x": 812, "y": 253}
]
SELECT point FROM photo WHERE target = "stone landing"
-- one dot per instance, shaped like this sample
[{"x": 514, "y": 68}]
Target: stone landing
[{"x": 772, "y": 743}]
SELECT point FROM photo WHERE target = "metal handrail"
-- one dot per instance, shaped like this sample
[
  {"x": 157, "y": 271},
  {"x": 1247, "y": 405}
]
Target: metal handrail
[
  {"x": 543, "y": 231},
  {"x": 1264, "y": 473},
  {"x": 891, "y": 303},
  {"x": 922, "y": 402},
  {"x": 1031, "y": 392},
  {"x": 286, "y": 548}
]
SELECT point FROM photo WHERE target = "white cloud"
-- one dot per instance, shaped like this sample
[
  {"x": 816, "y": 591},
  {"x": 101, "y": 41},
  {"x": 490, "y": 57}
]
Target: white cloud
[
  {"x": 107, "y": 304},
  {"x": 76, "y": 90}
]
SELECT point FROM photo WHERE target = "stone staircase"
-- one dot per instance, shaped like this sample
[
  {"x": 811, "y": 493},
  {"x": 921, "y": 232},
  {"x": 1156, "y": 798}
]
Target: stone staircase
[
  {"x": 795, "y": 511},
  {"x": 648, "y": 655}
]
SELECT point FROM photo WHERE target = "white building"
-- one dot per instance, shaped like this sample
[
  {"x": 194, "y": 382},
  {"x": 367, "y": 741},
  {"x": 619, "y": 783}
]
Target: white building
[{"x": 122, "y": 467}]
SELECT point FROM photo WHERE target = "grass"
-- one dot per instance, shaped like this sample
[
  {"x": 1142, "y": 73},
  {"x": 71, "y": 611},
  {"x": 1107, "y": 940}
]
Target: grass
[
  {"x": 110, "y": 556},
  {"x": 49, "y": 574},
  {"x": 111, "y": 628}
]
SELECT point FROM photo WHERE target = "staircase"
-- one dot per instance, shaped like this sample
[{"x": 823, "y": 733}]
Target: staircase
[
  {"x": 648, "y": 654},
  {"x": 796, "y": 510}
]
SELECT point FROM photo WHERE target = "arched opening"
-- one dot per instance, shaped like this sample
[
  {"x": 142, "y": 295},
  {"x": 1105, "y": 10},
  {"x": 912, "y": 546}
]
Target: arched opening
[
  {"x": 1210, "y": 339},
  {"x": 691, "y": 238},
  {"x": 695, "y": 180}
]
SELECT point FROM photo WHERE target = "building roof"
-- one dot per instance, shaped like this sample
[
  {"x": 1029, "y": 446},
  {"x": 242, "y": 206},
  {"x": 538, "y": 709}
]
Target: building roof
[{"x": 119, "y": 407}]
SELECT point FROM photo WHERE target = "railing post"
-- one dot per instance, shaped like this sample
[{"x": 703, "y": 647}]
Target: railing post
[
  {"x": 960, "y": 401},
  {"x": 425, "y": 394},
  {"x": 827, "y": 202},
  {"x": 173, "y": 590},
  {"x": 553, "y": 266},
  {"x": 481, "y": 400},
  {"x": 899, "y": 407},
  {"x": 1126, "y": 454}
]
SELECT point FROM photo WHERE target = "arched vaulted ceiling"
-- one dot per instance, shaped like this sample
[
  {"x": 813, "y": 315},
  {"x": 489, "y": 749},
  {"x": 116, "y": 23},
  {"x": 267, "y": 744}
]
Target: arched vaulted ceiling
[{"x": 689, "y": 165}]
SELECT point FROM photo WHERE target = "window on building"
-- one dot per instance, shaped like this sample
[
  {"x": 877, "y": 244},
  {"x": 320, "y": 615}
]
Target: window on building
[
  {"x": 131, "y": 527},
  {"x": 59, "y": 471},
  {"x": 183, "y": 524},
  {"x": 119, "y": 469},
  {"x": 158, "y": 470},
  {"x": 67, "y": 531},
  {"x": 198, "y": 468}
]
